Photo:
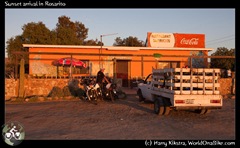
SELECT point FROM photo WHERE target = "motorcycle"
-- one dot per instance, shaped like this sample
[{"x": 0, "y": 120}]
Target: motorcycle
[
  {"x": 109, "y": 91},
  {"x": 92, "y": 90}
]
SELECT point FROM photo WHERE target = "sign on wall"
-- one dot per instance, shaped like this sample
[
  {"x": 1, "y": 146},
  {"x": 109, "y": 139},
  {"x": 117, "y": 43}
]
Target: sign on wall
[
  {"x": 176, "y": 40},
  {"x": 161, "y": 39}
]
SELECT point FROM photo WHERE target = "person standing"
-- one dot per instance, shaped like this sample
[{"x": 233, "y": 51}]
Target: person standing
[{"x": 229, "y": 73}]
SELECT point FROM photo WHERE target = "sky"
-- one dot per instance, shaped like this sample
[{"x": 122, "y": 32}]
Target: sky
[{"x": 218, "y": 25}]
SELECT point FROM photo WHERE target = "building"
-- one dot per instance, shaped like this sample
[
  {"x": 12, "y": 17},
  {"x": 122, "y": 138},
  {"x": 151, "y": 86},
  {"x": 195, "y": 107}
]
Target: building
[{"x": 163, "y": 50}]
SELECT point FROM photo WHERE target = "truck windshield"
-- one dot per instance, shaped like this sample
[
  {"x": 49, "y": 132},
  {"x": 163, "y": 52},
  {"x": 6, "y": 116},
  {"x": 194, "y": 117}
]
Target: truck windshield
[{"x": 148, "y": 79}]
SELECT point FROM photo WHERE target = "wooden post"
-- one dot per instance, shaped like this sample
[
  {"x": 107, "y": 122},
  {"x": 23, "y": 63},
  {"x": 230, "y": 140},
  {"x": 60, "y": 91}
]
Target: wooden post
[
  {"x": 191, "y": 81},
  {"x": 21, "y": 79},
  {"x": 70, "y": 73},
  {"x": 213, "y": 88},
  {"x": 16, "y": 67},
  {"x": 233, "y": 86},
  {"x": 114, "y": 70},
  {"x": 204, "y": 81},
  {"x": 156, "y": 63},
  {"x": 142, "y": 66},
  {"x": 181, "y": 81},
  {"x": 191, "y": 63}
]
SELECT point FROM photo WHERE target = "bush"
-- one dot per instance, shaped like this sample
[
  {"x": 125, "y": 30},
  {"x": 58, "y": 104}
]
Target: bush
[{"x": 56, "y": 92}]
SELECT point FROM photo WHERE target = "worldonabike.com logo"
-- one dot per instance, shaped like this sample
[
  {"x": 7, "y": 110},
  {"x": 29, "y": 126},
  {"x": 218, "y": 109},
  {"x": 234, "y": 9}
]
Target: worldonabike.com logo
[{"x": 13, "y": 133}]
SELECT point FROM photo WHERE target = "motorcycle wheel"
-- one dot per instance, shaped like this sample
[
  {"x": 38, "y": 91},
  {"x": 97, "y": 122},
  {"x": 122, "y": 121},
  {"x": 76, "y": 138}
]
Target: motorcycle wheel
[
  {"x": 111, "y": 94},
  {"x": 91, "y": 94},
  {"x": 99, "y": 94},
  {"x": 95, "y": 98}
]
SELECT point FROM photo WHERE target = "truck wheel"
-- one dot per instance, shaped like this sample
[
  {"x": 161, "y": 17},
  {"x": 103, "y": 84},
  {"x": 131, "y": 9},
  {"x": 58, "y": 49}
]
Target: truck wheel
[
  {"x": 139, "y": 92},
  {"x": 158, "y": 109},
  {"x": 161, "y": 110},
  {"x": 207, "y": 111},
  {"x": 202, "y": 111},
  {"x": 167, "y": 105},
  {"x": 166, "y": 110}
]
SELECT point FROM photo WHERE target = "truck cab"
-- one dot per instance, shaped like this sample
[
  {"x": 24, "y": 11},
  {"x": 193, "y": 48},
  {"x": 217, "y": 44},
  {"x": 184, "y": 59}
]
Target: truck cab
[{"x": 145, "y": 87}]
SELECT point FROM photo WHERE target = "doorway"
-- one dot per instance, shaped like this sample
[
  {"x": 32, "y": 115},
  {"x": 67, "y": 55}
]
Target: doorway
[{"x": 122, "y": 71}]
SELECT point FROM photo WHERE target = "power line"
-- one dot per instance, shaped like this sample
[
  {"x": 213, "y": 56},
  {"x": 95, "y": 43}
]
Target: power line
[
  {"x": 222, "y": 41},
  {"x": 221, "y": 38}
]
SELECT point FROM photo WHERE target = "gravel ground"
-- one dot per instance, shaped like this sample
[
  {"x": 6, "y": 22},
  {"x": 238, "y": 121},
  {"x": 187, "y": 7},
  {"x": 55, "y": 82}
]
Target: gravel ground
[{"x": 125, "y": 119}]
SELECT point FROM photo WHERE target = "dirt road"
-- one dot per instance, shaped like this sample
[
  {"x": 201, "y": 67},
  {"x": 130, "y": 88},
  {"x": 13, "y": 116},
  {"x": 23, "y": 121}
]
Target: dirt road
[{"x": 125, "y": 119}]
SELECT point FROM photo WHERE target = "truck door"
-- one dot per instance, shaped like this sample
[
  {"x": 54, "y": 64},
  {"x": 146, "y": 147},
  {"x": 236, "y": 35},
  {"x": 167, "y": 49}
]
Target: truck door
[{"x": 146, "y": 90}]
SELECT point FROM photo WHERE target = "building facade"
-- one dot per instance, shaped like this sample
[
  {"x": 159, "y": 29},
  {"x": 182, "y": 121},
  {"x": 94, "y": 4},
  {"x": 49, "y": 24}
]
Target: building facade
[{"x": 163, "y": 50}]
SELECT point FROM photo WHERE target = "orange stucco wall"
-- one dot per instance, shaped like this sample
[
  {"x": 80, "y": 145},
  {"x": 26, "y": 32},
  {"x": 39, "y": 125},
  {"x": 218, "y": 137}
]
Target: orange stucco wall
[{"x": 41, "y": 63}]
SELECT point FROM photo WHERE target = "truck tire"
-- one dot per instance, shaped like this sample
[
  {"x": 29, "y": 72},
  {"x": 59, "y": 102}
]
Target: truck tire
[
  {"x": 207, "y": 111},
  {"x": 203, "y": 111},
  {"x": 166, "y": 110},
  {"x": 200, "y": 111},
  {"x": 167, "y": 104},
  {"x": 158, "y": 107}
]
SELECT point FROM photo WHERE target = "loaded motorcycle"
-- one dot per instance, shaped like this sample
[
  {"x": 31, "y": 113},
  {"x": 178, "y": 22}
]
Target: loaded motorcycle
[
  {"x": 109, "y": 91},
  {"x": 92, "y": 90}
]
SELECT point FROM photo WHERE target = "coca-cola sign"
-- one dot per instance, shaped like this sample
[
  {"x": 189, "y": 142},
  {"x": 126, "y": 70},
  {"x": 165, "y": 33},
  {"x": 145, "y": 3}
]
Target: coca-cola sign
[
  {"x": 192, "y": 41},
  {"x": 176, "y": 40},
  {"x": 189, "y": 40}
]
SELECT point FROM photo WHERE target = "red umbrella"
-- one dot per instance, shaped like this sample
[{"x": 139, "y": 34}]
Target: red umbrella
[{"x": 67, "y": 61}]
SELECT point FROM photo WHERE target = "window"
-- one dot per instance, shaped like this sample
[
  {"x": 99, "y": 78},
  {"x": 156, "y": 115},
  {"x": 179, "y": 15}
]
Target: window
[{"x": 168, "y": 64}]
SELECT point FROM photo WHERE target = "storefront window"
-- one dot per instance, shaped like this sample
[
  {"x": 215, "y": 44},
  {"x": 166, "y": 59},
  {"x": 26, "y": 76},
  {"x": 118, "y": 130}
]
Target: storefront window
[{"x": 168, "y": 64}]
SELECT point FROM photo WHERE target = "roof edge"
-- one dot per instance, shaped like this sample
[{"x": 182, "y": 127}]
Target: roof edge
[{"x": 112, "y": 47}]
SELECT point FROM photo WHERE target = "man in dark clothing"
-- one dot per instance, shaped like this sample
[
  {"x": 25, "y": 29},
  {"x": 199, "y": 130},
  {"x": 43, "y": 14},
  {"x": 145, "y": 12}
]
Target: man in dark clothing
[{"x": 101, "y": 77}]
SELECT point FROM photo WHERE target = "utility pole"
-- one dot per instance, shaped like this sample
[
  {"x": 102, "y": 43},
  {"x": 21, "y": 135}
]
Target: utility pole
[{"x": 100, "y": 50}]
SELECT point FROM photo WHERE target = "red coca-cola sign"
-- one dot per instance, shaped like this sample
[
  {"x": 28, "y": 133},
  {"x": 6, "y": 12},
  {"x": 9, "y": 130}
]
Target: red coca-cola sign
[{"x": 189, "y": 40}]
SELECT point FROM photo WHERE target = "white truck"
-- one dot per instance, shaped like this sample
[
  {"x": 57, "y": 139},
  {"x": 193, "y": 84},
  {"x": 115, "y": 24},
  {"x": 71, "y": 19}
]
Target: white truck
[{"x": 182, "y": 89}]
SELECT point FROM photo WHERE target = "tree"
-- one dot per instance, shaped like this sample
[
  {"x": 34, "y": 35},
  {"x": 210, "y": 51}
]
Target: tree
[
  {"x": 36, "y": 33},
  {"x": 9, "y": 69},
  {"x": 15, "y": 44},
  {"x": 92, "y": 42},
  {"x": 66, "y": 33},
  {"x": 81, "y": 31},
  {"x": 223, "y": 63},
  {"x": 70, "y": 33},
  {"x": 130, "y": 41},
  {"x": 33, "y": 33}
]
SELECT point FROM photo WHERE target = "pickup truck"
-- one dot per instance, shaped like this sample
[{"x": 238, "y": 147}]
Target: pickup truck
[{"x": 182, "y": 89}]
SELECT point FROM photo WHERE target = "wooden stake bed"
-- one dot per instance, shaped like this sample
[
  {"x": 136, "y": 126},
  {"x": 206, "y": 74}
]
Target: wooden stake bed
[
  {"x": 187, "y": 81},
  {"x": 182, "y": 88}
]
